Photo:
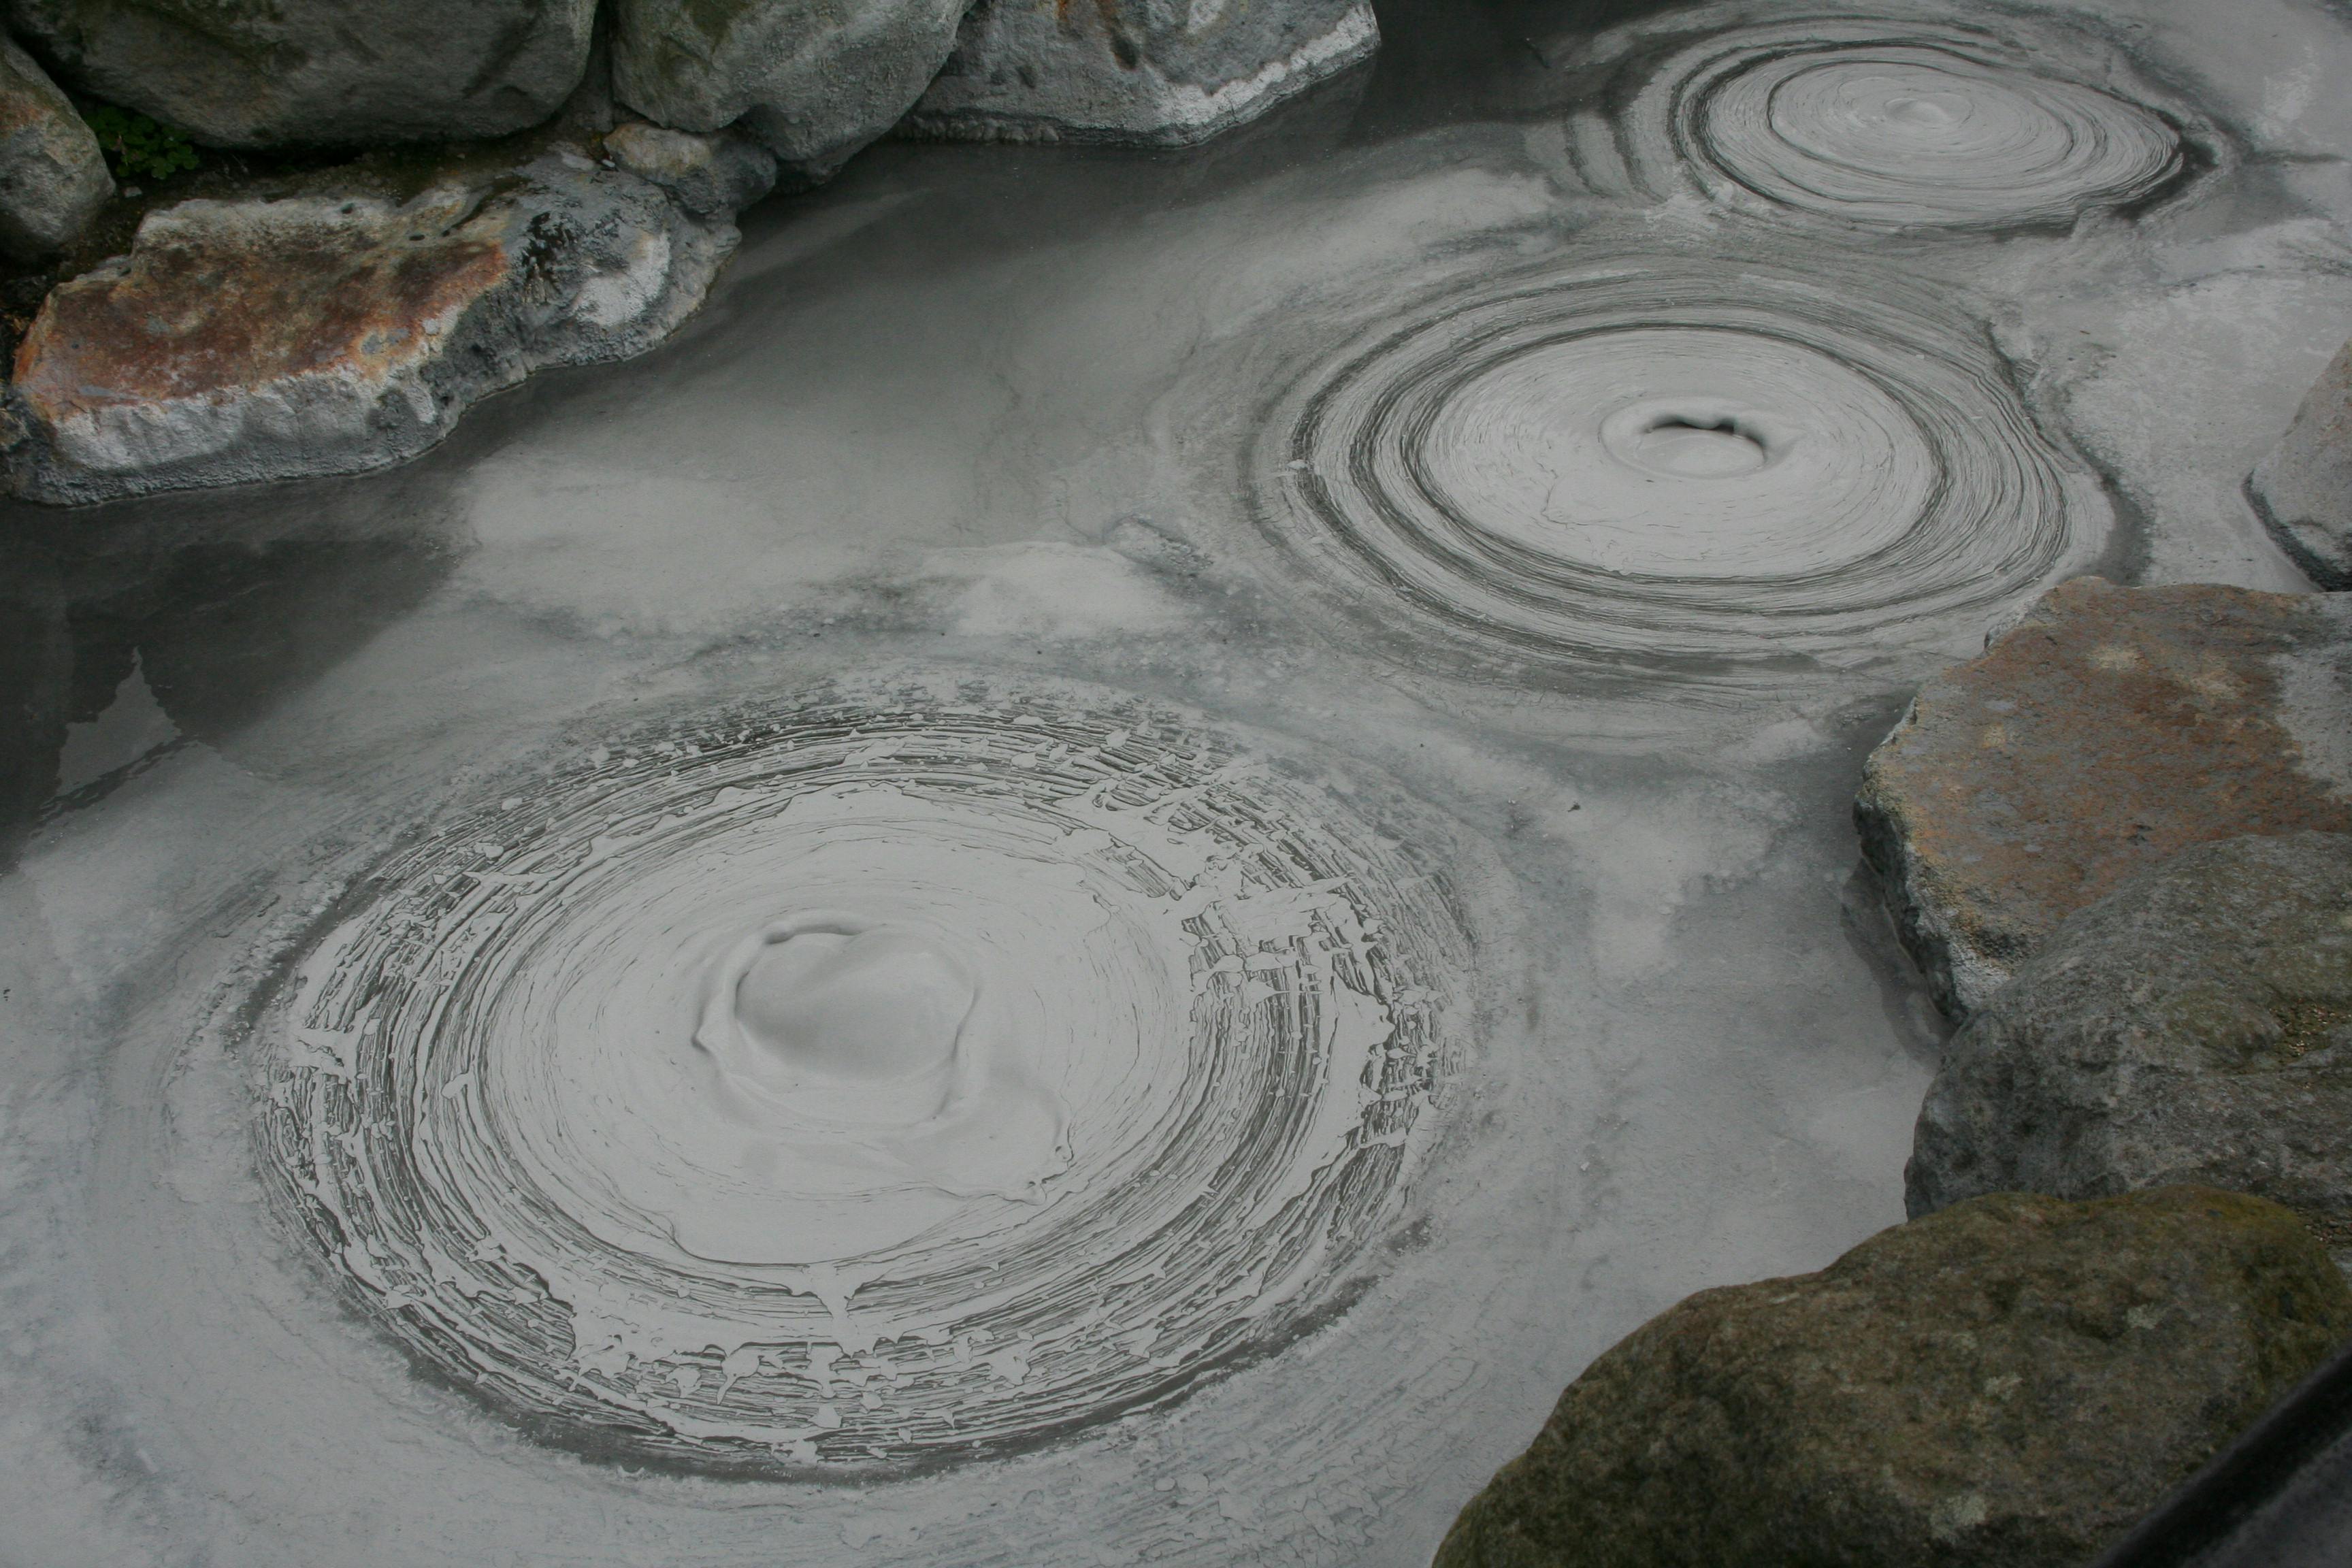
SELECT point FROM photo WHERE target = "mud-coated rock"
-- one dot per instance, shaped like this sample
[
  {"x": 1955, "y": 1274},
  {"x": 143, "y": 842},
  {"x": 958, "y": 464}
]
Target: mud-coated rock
[
  {"x": 2010, "y": 1383},
  {"x": 2303, "y": 490},
  {"x": 260, "y": 339},
  {"x": 1150, "y": 72},
  {"x": 707, "y": 176},
  {"x": 53, "y": 178},
  {"x": 234, "y": 73},
  {"x": 813, "y": 79},
  {"x": 2110, "y": 729},
  {"x": 2193, "y": 1026}
]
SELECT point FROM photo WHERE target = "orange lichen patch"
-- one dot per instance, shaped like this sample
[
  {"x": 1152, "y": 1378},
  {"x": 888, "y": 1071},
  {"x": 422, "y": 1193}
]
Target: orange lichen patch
[
  {"x": 216, "y": 299},
  {"x": 2132, "y": 723}
]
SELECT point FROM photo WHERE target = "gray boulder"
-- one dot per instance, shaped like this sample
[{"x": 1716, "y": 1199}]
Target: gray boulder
[
  {"x": 1150, "y": 72},
  {"x": 707, "y": 176},
  {"x": 2302, "y": 491},
  {"x": 53, "y": 179},
  {"x": 261, "y": 340},
  {"x": 234, "y": 73},
  {"x": 813, "y": 79},
  {"x": 2010, "y": 1384},
  {"x": 2193, "y": 1026}
]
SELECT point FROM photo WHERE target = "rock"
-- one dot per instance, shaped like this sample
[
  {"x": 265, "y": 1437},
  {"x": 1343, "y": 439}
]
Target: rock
[
  {"x": 2302, "y": 491},
  {"x": 2110, "y": 729},
  {"x": 2193, "y": 1026},
  {"x": 53, "y": 178},
  {"x": 813, "y": 79},
  {"x": 707, "y": 176},
  {"x": 1142, "y": 71},
  {"x": 233, "y": 73},
  {"x": 262, "y": 340},
  {"x": 2011, "y": 1382}
]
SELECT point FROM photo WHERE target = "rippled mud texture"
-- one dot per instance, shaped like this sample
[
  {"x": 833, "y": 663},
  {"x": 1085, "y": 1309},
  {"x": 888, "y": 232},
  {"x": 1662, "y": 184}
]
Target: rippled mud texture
[
  {"x": 1883, "y": 119},
  {"x": 1685, "y": 464},
  {"x": 863, "y": 1082}
]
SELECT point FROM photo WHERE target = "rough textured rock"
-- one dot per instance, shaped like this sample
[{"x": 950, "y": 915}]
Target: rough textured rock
[
  {"x": 2193, "y": 1026},
  {"x": 2110, "y": 729},
  {"x": 53, "y": 178},
  {"x": 1156, "y": 72},
  {"x": 2011, "y": 1382},
  {"x": 2302, "y": 491},
  {"x": 260, "y": 339},
  {"x": 234, "y": 73},
  {"x": 813, "y": 79},
  {"x": 707, "y": 176}
]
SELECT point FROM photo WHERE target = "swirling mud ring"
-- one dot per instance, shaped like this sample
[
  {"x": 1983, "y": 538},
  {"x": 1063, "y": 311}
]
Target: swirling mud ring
[
  {"x": 869, "y": 1082},
  {"x": 1669, "y": 463},
  {"x": 1895, "y": 121}
]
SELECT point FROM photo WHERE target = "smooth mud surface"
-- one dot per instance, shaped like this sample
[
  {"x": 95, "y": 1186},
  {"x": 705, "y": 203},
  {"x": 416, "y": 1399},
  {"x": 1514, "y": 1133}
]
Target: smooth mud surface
[{"x": 1111, "y": 868}]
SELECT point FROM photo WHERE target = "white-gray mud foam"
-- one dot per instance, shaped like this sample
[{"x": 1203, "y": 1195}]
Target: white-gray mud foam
[
  {"x": 1226, "y": 1001},
  {"x": 1685, "y": 466},
  {"x": 1884, "y": 118}
]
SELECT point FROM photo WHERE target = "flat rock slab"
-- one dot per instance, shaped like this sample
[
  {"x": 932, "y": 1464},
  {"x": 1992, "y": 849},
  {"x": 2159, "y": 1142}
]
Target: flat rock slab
[
  {"x": 2110, "y": 729},
  {"x": 2193, "y": 1026},
  {"x": 2013, "y": 1381},
  {"x": 264, "y": 339},
  {"x": 1134, "y": 71},
  {"x": 2303, "y": 490},
  {"x": 234, "y": 73}
]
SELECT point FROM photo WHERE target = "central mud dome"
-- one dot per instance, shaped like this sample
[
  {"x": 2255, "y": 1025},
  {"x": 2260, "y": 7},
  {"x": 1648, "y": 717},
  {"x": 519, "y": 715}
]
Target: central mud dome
[
  {"x": 1660, "y": 459},
  {"x": 865, "y": 1081}
]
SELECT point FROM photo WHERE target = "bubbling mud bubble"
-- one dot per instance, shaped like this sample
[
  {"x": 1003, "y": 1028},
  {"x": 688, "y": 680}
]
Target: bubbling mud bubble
[
  {"x": 1890, "y": 121},
  {"x": 873, "y": 1081},
  {"x": 1668, "y": 461}
]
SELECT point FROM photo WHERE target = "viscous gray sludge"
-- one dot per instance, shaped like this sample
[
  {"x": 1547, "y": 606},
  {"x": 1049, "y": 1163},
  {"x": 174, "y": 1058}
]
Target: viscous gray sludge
[
  {"x": 1658, "y": 459},
  {"x": 1880, "y": 119},
  {"x": 870, "y": 1080}
]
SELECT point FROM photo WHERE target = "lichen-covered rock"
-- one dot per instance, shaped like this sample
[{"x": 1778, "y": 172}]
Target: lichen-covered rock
[
  {"x": 2193, "y": 1026},
  {"x": 53, "y": 178},
  {"x": 1150, "y": 73},
  {"x": 258, "y": 340},
  {"x": 2010, "y": 1383},
  {"x": 2110, "y": 729},
  {"x": 2303, "y": 490},
  {"x": 707, "y": 176},
  {"x": 234, "y": 73},
  {"x": 813, "y": 79}
]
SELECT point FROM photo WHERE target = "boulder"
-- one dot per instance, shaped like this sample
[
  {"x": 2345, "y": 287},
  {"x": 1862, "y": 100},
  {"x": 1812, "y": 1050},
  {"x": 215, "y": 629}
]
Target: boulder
[
  {"x": 707, "y": 176},
  {"x": 2193, "y": 1026},
  {"x": 1149, "y": 72},
  {"x": 260, "y": 340},
  {"x": 232, "y": 73},
  {"x": 53, "y": 178},
  {"x": 2302, "y": 491},
  {"x": 2011, "y": 1381},
  {"x": 2110, "y": 729},
  {"x": 813, "y": 79}
]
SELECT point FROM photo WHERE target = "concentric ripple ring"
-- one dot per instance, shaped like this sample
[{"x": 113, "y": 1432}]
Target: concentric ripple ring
[
  {"x": 869, "y": 1081},
  {"x": 1898, "y": 121},
  {"x": 1670, "y": 461}
]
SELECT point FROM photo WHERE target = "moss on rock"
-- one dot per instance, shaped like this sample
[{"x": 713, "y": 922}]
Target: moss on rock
[{"x": 2013, "y": 1380}]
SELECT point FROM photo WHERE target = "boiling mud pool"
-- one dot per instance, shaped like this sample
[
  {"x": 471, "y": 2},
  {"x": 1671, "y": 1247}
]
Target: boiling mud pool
[{"x": 1104, "y": 874}]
